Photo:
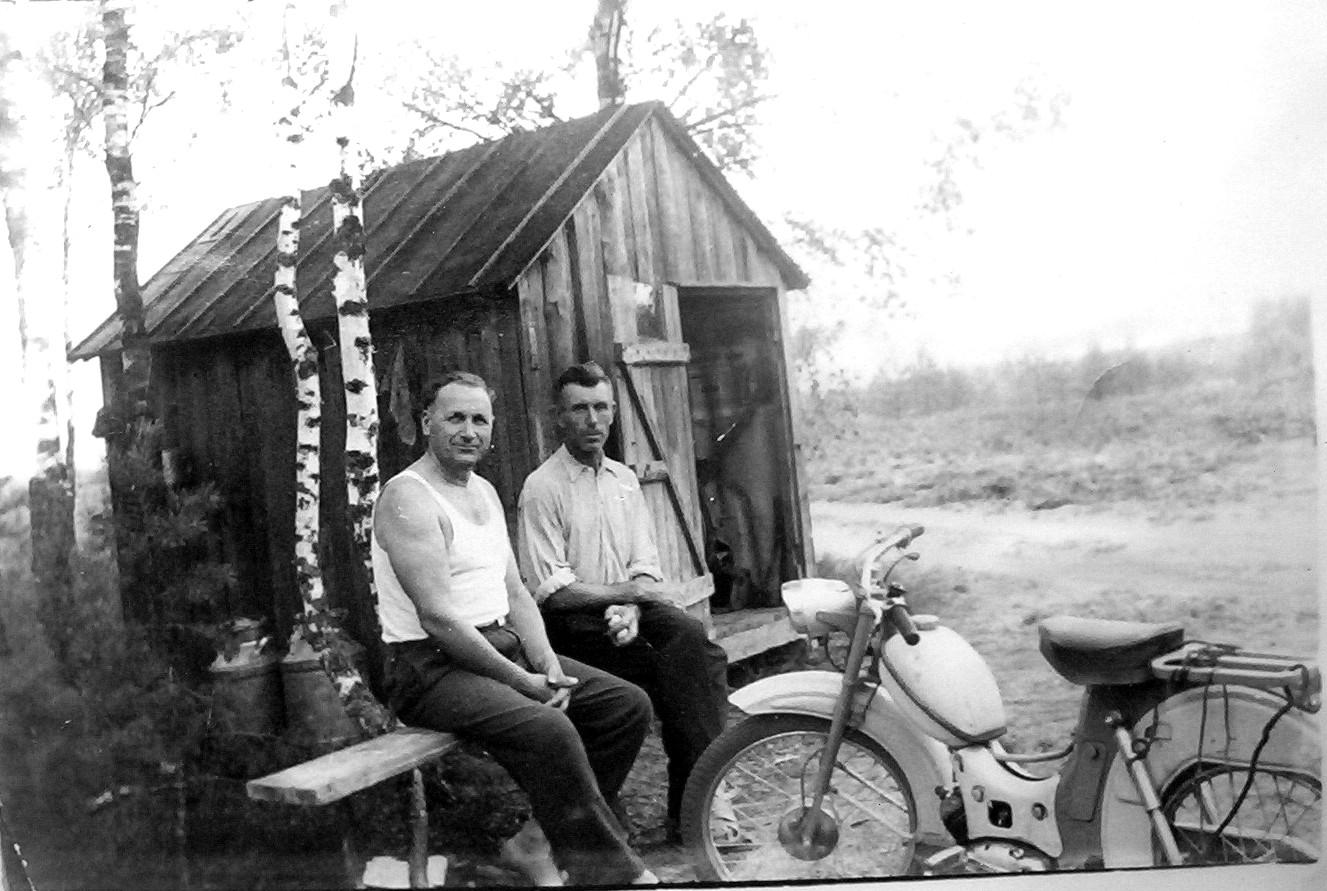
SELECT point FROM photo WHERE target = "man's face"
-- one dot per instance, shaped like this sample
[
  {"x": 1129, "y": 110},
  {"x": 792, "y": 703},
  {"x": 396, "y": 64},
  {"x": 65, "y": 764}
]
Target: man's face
[
  {"x": 459, "y": 426},
  {"x": 584, "y": 416}
]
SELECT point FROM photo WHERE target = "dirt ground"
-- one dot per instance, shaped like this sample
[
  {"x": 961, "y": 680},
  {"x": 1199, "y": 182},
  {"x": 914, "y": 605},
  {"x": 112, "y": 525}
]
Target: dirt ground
[
  {"x": 1237, "y": 571},
  {"x": 1240, "y": 571}
]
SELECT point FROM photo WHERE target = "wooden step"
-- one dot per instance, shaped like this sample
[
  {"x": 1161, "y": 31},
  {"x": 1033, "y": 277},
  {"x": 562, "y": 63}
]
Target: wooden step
[{"x": 748, "y": 632}]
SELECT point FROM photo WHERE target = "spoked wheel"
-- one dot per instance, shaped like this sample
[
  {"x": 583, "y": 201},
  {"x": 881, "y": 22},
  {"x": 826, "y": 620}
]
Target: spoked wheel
[
  {"x": 745, "y": 814},
  {"x": 1278, "y": 821}
]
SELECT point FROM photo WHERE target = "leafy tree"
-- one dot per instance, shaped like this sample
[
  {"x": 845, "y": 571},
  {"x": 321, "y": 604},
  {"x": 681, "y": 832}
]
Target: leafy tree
[{"x": 712, "y": 75}]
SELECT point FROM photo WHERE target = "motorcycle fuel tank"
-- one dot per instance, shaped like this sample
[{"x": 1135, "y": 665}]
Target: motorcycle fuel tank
[{"x": 943, "y": 685}]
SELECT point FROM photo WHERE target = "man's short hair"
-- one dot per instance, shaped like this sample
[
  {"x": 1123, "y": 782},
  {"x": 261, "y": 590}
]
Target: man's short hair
[
  {"x": 464, "y": 378},
  {"x": 586, "y": 374}
]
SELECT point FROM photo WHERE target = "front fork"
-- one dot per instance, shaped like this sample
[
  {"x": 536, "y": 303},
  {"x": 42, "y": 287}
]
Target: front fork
[
  {"x": 839, "y": 720},
  {"x": 1143, "y": 783}
]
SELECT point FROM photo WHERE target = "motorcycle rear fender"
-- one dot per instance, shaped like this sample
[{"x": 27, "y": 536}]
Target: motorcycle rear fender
[
  {"x": 1236, "y": 717},
  {"x": 924, "y": 761}
]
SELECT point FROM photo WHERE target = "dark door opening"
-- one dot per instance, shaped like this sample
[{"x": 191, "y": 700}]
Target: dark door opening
[{"x": 743, "y": 444}]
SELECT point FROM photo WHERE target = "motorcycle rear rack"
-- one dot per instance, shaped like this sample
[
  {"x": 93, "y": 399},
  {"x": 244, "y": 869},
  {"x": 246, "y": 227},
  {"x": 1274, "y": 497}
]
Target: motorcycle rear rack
[{"x": 1200, "y": 662}]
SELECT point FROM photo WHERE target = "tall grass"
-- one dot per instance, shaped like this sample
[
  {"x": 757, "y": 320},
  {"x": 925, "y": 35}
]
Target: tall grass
[{"x": 1178, "y": 423}]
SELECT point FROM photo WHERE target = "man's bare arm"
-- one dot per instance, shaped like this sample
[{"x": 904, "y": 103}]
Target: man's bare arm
[
  {"x": 409, "y": 528},
  {"x": 579, "y": 595}
]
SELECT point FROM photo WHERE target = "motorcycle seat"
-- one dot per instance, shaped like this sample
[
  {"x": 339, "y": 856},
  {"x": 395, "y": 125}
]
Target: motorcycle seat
[{"x": 1093, "y": 652}]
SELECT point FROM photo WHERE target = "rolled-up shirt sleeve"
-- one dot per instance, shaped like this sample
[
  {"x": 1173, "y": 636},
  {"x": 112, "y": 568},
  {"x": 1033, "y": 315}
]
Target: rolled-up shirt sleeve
[
  {"x": 644, "y": 559},
  {"x": 541, "y": 546}
]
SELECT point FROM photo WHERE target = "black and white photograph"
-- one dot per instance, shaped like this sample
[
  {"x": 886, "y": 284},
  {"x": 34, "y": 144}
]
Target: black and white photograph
[{"x": 707, "y": 443}]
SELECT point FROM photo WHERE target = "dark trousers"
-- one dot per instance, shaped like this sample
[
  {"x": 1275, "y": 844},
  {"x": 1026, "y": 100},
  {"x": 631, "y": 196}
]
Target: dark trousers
[
  {"x": 685, "y": 674},
  {"x": 567, "y": 762}
]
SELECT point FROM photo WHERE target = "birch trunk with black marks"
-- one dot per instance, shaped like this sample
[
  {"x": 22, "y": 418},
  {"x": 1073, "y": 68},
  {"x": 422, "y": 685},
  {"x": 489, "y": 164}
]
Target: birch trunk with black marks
[
  {"x": 352, "y": 307},
  {"x": 135, "y": 352},
  {"x": 316, "y": 620}
]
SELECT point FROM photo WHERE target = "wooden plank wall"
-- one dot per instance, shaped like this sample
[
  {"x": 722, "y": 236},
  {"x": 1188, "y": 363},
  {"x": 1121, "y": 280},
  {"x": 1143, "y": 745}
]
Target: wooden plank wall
[
  {"x": 229, "y": 405},
  {"x": 651, "y": 217}
]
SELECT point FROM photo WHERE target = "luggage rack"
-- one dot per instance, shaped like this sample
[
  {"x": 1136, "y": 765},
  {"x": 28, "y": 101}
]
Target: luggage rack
[{"x": 1200, "y": 662}]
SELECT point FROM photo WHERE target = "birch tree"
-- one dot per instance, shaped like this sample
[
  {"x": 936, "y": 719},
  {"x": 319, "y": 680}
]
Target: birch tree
[
  {"x": 135, "y": 352},
  {"x": 51, "y": 488},
  {"x": 352, "y": 305},
  {"x": 316, "y": 619}
]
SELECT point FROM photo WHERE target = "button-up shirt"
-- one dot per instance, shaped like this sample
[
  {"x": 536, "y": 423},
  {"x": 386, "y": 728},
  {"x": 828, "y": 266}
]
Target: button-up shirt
[{"x": 578, "y": 524}]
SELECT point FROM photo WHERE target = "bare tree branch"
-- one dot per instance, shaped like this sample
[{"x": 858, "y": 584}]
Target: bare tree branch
[
  {"x": 694, "y": 126},
  {"x": 78, "y": 76},
  {"x": 692, "y": 80},
  {"x": 434, "y": 119},
  {"x": 142, "y": 115}
]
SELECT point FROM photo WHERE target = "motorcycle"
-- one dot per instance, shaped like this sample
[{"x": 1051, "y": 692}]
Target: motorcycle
[{"x": 1186, "y": 752}]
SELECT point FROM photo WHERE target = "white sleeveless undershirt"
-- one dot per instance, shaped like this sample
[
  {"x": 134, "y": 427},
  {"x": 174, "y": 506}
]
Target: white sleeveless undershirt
[{"x": 478, "y": 555}]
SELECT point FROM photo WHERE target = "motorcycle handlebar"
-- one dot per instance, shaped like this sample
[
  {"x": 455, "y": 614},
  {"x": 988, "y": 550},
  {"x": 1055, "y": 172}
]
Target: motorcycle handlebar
[{"x": 902, "y": 621}]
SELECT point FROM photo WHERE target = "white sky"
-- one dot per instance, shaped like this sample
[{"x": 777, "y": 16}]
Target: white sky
[{"x": 1189, "y": 178}]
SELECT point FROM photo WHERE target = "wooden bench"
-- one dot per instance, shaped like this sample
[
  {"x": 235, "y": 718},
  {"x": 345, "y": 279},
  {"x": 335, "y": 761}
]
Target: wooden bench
[{"x": 335, "y": 775}]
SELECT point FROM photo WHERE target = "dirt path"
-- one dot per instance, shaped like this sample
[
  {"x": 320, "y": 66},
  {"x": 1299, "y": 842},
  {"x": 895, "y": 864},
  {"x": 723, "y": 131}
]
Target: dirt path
[{"x": 1241, "y": 571}]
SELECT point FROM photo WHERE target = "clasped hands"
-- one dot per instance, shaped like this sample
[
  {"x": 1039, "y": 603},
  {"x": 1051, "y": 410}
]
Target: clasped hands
[
  {"x": 624, "y": 618},
  {"x": 552, "y": 687}
]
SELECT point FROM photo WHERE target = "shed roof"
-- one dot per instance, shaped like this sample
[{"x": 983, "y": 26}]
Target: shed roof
[{"x": 469, "y": 221}]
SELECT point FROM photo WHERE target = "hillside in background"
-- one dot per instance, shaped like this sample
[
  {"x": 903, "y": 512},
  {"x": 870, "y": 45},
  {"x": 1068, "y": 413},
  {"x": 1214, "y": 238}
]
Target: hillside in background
[{"x": 1185, "y": 425}]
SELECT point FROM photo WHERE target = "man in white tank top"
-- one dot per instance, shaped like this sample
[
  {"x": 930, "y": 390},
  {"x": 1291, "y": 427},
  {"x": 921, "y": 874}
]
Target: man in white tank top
[{"x": 469, "y": 653}]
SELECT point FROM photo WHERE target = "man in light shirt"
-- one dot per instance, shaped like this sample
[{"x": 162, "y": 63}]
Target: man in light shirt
[
  {"x": 587, "y": 551},
  {"x": 469, "y": 653}
]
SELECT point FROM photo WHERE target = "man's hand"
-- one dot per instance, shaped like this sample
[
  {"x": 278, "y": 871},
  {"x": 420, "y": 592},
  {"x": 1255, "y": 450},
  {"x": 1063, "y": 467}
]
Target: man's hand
[
  {"x": 561, "y": 686},
  {"x": 623, "y": 623},
  {"x": 551, "y": 688}
]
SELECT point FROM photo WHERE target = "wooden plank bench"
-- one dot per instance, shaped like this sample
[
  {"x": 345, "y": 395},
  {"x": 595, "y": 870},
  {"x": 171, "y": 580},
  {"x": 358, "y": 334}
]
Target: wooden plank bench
[{"x": 335, "y": 775}]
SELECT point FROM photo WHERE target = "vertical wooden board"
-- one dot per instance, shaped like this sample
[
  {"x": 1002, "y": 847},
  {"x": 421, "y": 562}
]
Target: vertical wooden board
[
  {"x": 665, "y": 531},
  {"x": 640, "y": 151},
  {"x": 615, "y": 230},
  {"x": 761, "y": 270},
  {"x": 278, "y": 453},
  {"x": 233, "y": 479},
  {"x": 796, "y": 461},
  {"x": 639, "y": 234},
  {"x": 498, "y": 463},
  {"x": 702, "y": 228},
  {"x": 670, "y": 170},
  {"x": 671, "y": 390},
  {"x": 252, "y": 394},
  {"x": 519, "y": 453},
  {"x": 533, "y": 358},
  {"x": 559, "y": 304},
  {"x": 596, "y": 317},
  {"x": 725, "y": 270}
]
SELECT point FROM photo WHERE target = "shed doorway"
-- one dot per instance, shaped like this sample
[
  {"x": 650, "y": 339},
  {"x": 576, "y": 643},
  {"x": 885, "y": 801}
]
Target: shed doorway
[{"x": 741, "y": 429}]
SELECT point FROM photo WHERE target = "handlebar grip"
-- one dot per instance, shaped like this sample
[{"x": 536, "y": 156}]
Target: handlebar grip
[
  {"x": 902, "y": 622},
  {"x": 914, "y": 533}
]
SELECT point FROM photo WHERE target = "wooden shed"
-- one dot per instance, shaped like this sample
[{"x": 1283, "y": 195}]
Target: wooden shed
[{"x": 610, "y": 238}]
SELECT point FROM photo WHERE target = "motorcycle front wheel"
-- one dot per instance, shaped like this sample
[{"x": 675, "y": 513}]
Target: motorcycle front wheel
[{"x": 745, "y": 813}]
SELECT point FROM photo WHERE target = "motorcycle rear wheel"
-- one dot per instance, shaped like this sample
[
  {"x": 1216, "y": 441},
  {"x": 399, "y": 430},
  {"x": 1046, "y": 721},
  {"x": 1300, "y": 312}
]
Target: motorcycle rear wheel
[
  {"x": 1278, "y": 821},
  {"x": 754, "y": 781}
]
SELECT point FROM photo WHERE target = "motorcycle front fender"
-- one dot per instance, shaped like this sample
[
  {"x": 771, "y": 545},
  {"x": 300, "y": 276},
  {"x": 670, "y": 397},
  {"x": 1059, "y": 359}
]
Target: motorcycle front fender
[{"x": 924, "y": 761}]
